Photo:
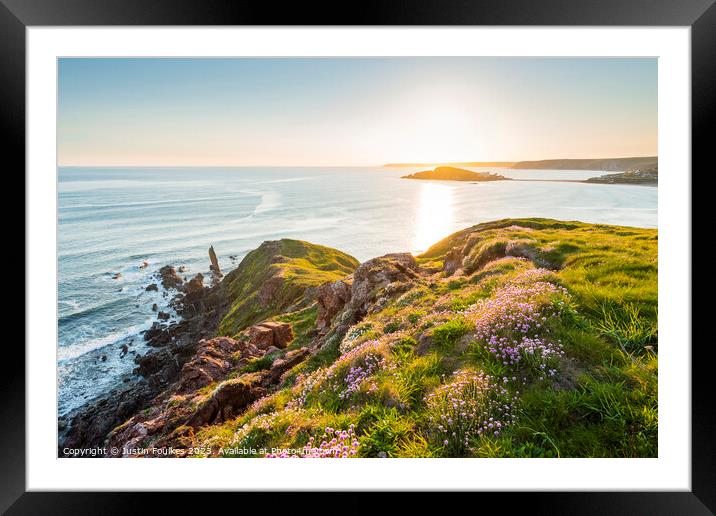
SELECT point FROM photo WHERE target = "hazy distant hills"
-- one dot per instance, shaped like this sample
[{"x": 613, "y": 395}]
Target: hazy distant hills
[
  {"x": 591, "y": 164},
  {"x": 607, "y": 164}
]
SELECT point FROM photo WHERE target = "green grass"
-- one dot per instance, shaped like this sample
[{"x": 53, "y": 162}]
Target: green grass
[
  {"x": 446, "y": 335},
  {"x": 259, "y": 364},
  {"x": 303, "y": 324}
]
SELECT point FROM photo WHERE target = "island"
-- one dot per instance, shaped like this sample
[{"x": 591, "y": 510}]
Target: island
[
  {"x": 455, "y": 174},
  {"x": 648, "y": 177}
]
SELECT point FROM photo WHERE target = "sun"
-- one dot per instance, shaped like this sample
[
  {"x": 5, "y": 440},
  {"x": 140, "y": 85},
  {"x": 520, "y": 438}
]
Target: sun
[{"x": 439, "y": 132}]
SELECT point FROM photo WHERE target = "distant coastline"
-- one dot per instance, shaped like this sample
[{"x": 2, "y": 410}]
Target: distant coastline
[
  {"x": 649, "y": 177},
  {"x": 605, "y": 164}
]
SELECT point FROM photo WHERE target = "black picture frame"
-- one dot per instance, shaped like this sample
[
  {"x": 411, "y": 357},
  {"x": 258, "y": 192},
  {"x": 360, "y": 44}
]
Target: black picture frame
[{"x": 17, "y": 15}]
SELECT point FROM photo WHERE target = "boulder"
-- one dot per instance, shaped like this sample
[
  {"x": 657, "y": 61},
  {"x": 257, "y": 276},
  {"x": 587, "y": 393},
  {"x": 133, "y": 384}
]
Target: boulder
[
  {"x": 267, "y": 334},
  {"x": 163, "y": 316},
  {"x": 152, "y": 288}
]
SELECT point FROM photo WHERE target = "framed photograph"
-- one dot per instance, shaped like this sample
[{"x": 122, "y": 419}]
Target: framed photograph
[{"x": 430, "y": 242}]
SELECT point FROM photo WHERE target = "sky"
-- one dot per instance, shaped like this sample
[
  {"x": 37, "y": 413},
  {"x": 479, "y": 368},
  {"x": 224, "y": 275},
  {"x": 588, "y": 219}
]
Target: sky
[{"x": 352, "y": 111}]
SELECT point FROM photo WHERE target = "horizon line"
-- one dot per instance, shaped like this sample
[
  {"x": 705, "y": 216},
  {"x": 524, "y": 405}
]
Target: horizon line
[{"x": 381, "y": 165}]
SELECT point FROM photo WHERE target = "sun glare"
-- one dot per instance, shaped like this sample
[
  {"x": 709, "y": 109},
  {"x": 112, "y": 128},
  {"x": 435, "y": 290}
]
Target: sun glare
[{"x": 434, "y": 217}]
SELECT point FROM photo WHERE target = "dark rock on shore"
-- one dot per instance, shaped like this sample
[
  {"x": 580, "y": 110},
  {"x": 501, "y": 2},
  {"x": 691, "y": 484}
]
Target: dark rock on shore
[
  {"x": 170, "y": 278},
  {"x": 176, "y": 344},
  {"x": 89, "y": 426},
  {"x": 166, "y": 396},
  {"x": 157, "y": 335},
  {"x": 152, "y": 287},
  {"x": 194, "y": 290}
]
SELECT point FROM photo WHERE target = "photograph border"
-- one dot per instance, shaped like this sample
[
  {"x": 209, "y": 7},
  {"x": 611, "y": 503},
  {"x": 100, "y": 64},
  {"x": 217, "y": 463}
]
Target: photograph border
[{"x": 17, "y": 15}]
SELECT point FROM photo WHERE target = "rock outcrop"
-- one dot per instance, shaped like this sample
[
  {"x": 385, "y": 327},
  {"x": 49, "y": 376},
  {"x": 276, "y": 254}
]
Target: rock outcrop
[
  {"x": 285, "y": 363},
  {"x": 331, "y": 298},
  {"x": 228, "y": 400},
  {"x": 194, "y": 290},
  {"x": 212, "y": 362},
  {"x": 216, "y": 274},
  {"x": 395, "y": 272}
]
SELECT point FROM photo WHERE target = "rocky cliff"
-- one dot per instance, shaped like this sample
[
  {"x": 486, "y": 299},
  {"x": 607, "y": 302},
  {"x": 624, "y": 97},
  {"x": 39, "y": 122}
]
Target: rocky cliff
[{"x": 519, "y": 338}]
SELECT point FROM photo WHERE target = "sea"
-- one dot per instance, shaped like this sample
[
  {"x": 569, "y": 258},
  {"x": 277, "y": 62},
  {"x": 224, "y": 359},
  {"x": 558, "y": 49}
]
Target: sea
[{"x": 118, "y": 226}]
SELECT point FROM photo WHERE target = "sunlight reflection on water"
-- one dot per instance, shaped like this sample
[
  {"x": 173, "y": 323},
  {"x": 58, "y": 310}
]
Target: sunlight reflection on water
[{"x": 434, "y": 218}]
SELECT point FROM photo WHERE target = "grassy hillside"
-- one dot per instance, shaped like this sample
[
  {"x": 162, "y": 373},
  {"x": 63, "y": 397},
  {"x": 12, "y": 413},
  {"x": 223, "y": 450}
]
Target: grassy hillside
[
  {"x": 520, "y": 338},
  {"x": 275, "y": 276}
]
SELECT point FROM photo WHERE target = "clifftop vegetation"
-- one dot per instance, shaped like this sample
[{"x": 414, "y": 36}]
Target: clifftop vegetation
[
  {"x": 275, "y": 276},
  {"x": 514, "y": 338}
]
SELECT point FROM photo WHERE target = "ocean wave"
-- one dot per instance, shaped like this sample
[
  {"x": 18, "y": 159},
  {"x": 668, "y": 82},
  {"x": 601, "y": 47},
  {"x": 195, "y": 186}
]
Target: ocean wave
[
  {"x": 72, "y": 303},
  {"x": 269, "y": 201},
  {"x": 145, "y": 203},
  {"x": 75, "y": 350},
  {"x": 90, "y": 311}
]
